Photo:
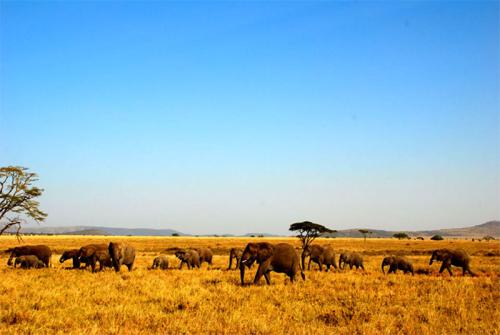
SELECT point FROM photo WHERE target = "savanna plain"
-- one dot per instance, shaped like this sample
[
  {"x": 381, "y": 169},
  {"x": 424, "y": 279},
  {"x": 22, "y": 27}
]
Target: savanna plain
[{"x": 60, "y": 300}]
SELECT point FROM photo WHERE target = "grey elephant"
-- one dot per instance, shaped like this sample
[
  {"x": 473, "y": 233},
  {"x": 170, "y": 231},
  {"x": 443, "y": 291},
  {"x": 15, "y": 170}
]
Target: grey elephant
[
  {"x": 397, "y": 263},
  {"x": 160, "y": 262},
  {"x": 457, "y": 257},
  {"x": 352, "y": 259},
  {"x": 92, "y": 253},
  {"x": 281, "y": 258},
  {"x": 319, "y": 255},
  {"x": 190, "y": 257},
  {"x": 43, "y": 253},
  {"x": 206, "y": 255},
  {"x": 28, "y": 262},
  {"x": 235, "y": 253},
  {"x": 71, "y": 254},
  {"x": 121, "y": 254}
]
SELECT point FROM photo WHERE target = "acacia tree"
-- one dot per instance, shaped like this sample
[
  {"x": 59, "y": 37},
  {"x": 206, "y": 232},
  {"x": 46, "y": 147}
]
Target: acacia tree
[
  {"x": 401, "y": 236},
  {"x": 309, "y": 231},
  {"x": 18, "y": 198},
  {"x": 365, "y": 232}
]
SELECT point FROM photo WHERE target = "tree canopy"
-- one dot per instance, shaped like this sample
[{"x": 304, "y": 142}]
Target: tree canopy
[
  {"x": 437, "y": 238},
  {"x": 401, "y": 236},
  {"x": 365, "y": 232},
  {"x": 18, "y": 198},
  {"x": 308, "y": 231}
]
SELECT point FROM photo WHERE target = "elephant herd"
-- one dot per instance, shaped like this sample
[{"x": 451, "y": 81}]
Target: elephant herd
[{"x": 280, "y": 258}]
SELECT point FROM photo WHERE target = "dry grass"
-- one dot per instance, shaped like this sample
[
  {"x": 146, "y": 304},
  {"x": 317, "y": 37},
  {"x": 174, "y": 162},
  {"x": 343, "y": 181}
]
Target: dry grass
[{"x": 64, "y": 301}]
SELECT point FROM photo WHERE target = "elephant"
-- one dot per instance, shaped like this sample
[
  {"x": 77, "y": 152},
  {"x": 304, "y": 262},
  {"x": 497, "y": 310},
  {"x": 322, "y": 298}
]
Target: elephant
[
  {"x": 190, "y": 257},
  {"x": 43, "y": 253},
  {"x": 160, "y": 262},
  {"x": 71, "y": 254},
  {"x": 234, "y": 253},
  {"x": 206, "y": 255},
  {"x": 91, "y": 253},
  {"x": 121, "y": 254},
  {"x": 28, "y": 262},
  {"x": 281, "y": 258},
  {"x": 397, "y": 263},
  {"x": 457, "y": 257},
  {"x": 320, "y": 255},
  {"x": 351, "y": 258}
]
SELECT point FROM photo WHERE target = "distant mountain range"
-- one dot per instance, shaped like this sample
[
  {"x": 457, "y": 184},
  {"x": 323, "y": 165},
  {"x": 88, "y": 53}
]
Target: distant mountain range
[
  {"x": 491, "y": 228},
  {"x": 91, "y": 230}
]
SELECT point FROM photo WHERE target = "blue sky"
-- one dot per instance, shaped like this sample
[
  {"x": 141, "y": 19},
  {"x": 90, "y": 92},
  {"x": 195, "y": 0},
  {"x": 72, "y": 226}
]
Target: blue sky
[{"x": 225, "y": 117}]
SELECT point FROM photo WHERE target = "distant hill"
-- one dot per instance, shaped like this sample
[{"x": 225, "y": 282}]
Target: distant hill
[
  {"x": 87, "y": 232},
  {"x": 91, "y": 230},
  {"x": 491, "y": 228}
]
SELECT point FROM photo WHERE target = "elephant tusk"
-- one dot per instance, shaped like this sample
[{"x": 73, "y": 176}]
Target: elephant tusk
[{"x": 244, "y": 261}]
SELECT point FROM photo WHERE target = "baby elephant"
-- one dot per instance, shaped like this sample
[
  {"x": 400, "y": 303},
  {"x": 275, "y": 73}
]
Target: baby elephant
[
  {"x": 190, "y": 257},
  {"x": 28, "y": 262},
  {"x": 71, "y": 254},
  {"x": 160, "y": 262},
  {"x": 352, "y": 259},
  {"x": 397, "y": 263},
  {"x": 234, "y": 253}
]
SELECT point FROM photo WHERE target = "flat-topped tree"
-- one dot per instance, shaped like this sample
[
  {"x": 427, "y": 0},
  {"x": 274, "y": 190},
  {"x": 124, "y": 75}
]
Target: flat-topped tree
[
  {"x": 309, "y": 231},
  {"x": 365, "y": 232},
  {"x": 18, "y": 198}
]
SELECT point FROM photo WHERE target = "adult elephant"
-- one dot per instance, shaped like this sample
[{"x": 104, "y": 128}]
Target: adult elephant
[
  {"x": 457, "y": 257},
  {"x": 281, "y": 258},
  {"x": 206, "y": 255},
  {"x": 351, "y": 259},
  {"x": 319, "y": 255},
  {"x": 43, "y": 253},
  {"x": 121, "y": 254},
  {"x": 190, "y": 257},
  {"x": 160, "y": 262},
  {"x": 235, "y": 253},
  {"x": 90, "y": 254},
  {"x": 397, "y": 263},
  {"x": 71, "y": 254},
  {"x": 28, "y": 262}
]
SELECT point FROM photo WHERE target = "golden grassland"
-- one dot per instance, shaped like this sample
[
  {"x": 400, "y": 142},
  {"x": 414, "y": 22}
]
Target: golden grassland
[{"x": 59, "y": 300}]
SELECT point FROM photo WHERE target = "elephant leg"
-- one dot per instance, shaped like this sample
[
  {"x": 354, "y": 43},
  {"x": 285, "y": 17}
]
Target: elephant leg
[
  {"x": 362, "y": 266},
  {"x": 230, "y": 262},
  {"x": 350, "y": 266},
  {"x": 130, "y": 266},
  {"x": 93, "y": 264},
  {"x": 238, "y": 263},
  {"x": 267, "y": 275},
  {"x": 180, "y": 266},
  {"x": 320, "y": 266},
  {"x": 260, "y": 272},
  {"x": 309, "y": 264},
  {"x": 328, "y": 267}
]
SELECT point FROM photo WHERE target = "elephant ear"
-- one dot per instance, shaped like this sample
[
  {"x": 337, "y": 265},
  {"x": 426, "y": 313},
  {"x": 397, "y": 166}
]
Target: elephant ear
[{"x": 265, "y": 251}]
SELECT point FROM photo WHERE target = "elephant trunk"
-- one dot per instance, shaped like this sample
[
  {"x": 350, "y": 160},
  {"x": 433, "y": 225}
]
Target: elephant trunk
[
  {"x": 242, "y": 272},
  {"x": 303, "y": 259},
  {"x": 9, "y": 262}
]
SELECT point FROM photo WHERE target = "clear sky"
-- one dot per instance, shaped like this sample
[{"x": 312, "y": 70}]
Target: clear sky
[{"x": 246, "y": 117}]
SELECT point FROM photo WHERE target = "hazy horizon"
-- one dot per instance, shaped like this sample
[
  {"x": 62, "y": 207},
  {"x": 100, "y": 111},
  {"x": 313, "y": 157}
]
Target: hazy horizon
[{"x": 224, "y": 117}]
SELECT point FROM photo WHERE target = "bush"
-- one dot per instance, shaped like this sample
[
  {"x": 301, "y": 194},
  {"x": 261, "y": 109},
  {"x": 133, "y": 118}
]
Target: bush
[
  {"x": 437, "y": 238},
  {"x": 175, "y": 234},
  {"x": 401, "y": 236}
]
